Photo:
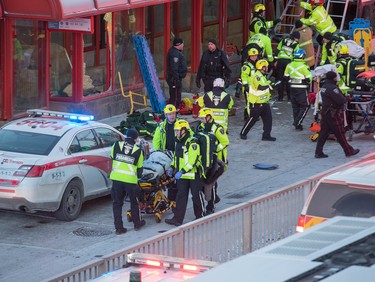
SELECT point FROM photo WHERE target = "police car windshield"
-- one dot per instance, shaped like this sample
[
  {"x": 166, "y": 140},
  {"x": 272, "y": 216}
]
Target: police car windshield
[{"x": 26, "y": 142}]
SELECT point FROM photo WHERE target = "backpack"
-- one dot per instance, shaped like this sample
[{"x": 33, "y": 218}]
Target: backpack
[{"x": 208, "y": 145}]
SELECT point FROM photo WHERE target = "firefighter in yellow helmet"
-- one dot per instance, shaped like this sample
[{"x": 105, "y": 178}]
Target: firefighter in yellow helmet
[
  {"x": 187, "y": 171},
  {"x": 319, "y": 18},
  {"x": 259, "y": 95},
  {"x": 209, "y": 126},
  {"x": 247, "y": 71},
  {"x": 258, "y": 21},
  {"x": 164, "y": 134}
]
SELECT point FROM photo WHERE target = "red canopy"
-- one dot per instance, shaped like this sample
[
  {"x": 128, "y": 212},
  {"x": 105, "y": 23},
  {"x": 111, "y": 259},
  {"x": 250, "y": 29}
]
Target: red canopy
[{"x": 56, "y": 10}]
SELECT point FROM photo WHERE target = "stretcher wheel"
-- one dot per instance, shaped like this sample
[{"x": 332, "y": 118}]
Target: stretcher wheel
[
  {"x": 129, "y": 217},
  {"x": 157, "y": 217}
]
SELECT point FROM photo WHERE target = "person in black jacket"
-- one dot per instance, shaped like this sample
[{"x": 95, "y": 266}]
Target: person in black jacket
[
  {"x": 176, "y": 71},
  {"x": 333, "y": 102},
  {"x": 214, "y": 64}
]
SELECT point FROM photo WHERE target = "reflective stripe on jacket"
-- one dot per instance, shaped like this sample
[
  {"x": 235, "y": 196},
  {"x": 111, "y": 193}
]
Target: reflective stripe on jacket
[{"x": 127, "y": 160}]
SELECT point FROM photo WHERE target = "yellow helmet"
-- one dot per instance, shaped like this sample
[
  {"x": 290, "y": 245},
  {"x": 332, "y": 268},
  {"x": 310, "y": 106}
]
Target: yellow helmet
[
  {"x": 180, "y": 124},
  {"x": 343, "y": 49},
  {"x": 204, "y": 112},
  {"x": 258, "y": 8},
  {"x": 260, "y": 64},
  {"x": 169, "y": 109},
  {"x": 253, "y": 52}
]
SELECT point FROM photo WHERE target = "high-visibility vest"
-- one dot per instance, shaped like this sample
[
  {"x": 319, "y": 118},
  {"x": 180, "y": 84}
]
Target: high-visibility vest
[
  {"x": 298, "y": 72},
  {"x": 319, "y": 18},
  {"x": 259, "y": 89},
  {"x": 126, "y": 160}
]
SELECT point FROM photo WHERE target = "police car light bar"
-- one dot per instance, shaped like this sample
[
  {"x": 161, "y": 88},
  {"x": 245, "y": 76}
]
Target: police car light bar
[
  {"x": 72, "y": 117},
  {"x": 167, "y": 262}
]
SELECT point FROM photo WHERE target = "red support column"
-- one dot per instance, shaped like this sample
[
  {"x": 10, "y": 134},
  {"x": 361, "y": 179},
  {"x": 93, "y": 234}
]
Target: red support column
[
  {"x": 196, "y": 33},
  {"x": 8, "y": 69},
  {"x": 77, "y": 61},
  {"x": 167, "y": 33},
  {"x": 246, "y": 19},
  {"x": 223, "y": 22}
]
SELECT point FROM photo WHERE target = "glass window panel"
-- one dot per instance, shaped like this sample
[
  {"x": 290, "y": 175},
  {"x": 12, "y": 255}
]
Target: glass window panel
[
  {"x": 60, "y": 65},
  {"x": 181, "y": 26},
  {"x": 155, "y": 35},
  {"x": 211, "y": 10},
  {"x": 127, "y": 24},
  {"x": 29, "y": 87}
]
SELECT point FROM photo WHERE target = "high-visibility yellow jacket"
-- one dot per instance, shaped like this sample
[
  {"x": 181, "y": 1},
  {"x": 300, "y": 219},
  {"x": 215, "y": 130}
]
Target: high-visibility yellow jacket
[
  {"x": 259, "y": 89},
  {"x": 127, "y": 162},
  {"x": 319, "y": 18},
  {"x": 187, "y": 156}
]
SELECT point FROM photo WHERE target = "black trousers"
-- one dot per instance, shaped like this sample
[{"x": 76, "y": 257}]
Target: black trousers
[
  {"x": 332, "y": 124},
  {"x": 118, "y": 193},
  {"x": 256, "y": 111},
  {"x": 196, "y": 189},
  {"x": 300, "y": 104},
  {"x": 279, "y": 74},
  {"x": 175, "y": 89}
]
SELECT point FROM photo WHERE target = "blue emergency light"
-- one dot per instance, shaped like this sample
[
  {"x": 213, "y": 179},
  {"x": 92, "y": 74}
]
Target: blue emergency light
[{"x": 69, "y": 116}]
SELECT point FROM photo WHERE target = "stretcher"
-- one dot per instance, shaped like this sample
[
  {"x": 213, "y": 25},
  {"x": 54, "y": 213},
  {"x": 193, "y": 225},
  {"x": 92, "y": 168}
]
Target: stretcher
[
  {"x": 362, "y": 105},
  {"x": 152, "y": 199},
  {"x": 153, "y": 184}
]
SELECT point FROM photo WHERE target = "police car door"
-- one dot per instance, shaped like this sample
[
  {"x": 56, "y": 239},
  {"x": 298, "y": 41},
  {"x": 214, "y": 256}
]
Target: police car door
[{"x": 93, "y": 162}]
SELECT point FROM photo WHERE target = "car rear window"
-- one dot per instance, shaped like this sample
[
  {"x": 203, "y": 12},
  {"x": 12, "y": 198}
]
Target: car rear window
[
  {"x": 27, "y": 142},
  {"x": 330, "y": 200}
]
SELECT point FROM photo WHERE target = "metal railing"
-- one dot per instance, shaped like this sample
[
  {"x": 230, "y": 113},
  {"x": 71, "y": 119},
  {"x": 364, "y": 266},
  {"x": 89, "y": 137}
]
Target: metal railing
[{"x": 221, "y": 236}]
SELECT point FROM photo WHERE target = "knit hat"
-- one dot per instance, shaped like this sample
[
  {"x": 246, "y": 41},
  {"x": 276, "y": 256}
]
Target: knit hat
[
  {"x": 132, "y": 133},
  {"x": 299, "y": 23},
  {"x": 177, "y": 41},
  {"x": 295, "y": 35},
  {"x": 331, "y": 75},
  {"x": 213, "y": 41},
  {"x": 327, "y": 36}
]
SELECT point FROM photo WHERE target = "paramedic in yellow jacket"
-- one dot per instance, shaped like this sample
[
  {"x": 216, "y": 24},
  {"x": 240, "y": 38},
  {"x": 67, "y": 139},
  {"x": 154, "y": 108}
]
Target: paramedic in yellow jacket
[
  {"x": 127, "y": 167},
  {"x": 164, "y": 137},
  {"x": 319, "y": 18},
  {"x": 258, "y": 21},
  {"x": 209, "y": 125},
  {"x": 259, "y": 95},
  {"x": 219, "y": 101},
  {"x": 187, "y": 170}
]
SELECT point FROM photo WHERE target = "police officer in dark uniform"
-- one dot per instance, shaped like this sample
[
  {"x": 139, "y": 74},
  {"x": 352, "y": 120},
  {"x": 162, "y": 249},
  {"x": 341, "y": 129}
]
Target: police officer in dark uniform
[
  {"x": 333, "y": 102},
  {"x": 176, "y": 71},
  {"x": 214, "y": 64},
  {"x": 127, "y": 167}
]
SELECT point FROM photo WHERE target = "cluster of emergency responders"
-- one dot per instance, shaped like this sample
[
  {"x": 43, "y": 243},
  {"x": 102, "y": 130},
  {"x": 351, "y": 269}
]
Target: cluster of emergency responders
[{"x": 200, "y": 154}]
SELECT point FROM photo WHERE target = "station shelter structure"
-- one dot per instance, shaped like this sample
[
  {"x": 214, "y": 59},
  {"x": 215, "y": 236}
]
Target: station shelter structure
[{"x": 66, "y": 54}]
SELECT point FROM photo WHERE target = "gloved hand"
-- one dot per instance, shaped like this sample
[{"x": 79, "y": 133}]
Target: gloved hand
[
  {"x": 178, "y": 175},
  {"x": 170, "y": 172},
  {"x": 246, "y": 88},
  {"x": 275, "y": 22},
  {"x": 198, "y": 84}
]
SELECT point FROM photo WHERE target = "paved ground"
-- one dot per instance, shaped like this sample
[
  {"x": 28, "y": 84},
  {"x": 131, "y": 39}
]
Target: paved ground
[{"x": 37, "y": 247}]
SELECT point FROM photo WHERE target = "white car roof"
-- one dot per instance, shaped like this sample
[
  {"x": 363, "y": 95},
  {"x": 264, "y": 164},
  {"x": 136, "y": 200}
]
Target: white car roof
[
  {"x": 46, "y": 125},
  {"x": 361, "y": 174}
]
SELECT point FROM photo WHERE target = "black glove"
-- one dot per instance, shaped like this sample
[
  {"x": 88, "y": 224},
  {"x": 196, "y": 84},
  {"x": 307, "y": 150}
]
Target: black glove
[
  {"x": 198, "y": 84},
  {"x": 275, "y": 22},
  {"x": 246, "y": 88},
  {"x": 238, "y": 92},
  {"x": 227, "y": 83}
]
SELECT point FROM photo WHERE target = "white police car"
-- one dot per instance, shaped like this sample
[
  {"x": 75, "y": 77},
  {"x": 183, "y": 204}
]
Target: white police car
[{"x": 53, "y": 161}]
